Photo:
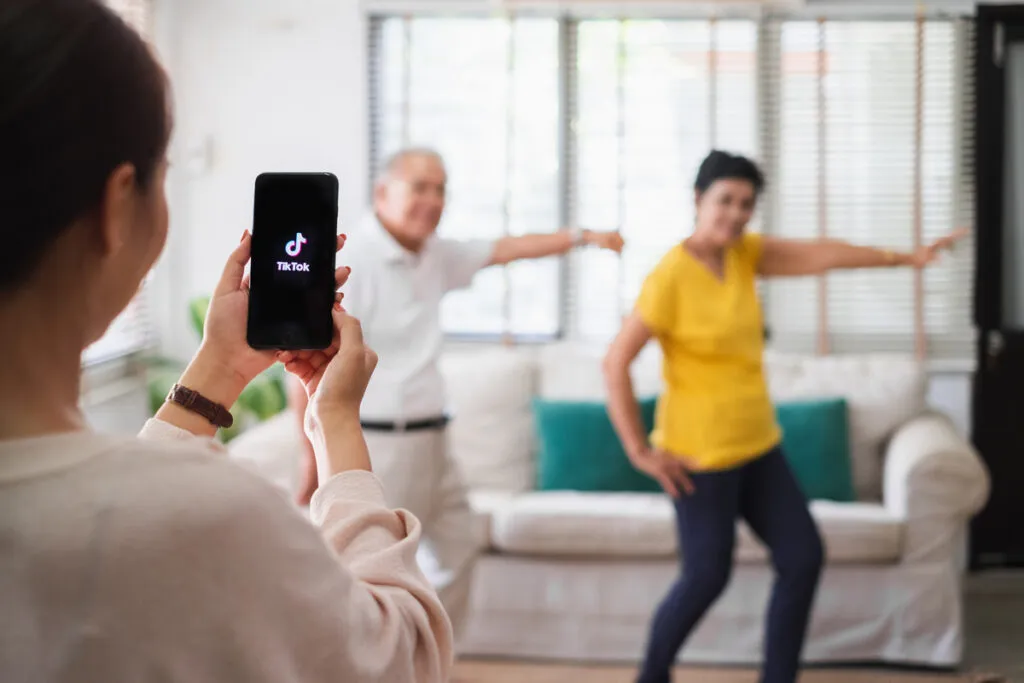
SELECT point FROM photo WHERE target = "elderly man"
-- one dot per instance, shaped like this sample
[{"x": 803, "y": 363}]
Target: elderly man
[{"x": 401, "y": 270}]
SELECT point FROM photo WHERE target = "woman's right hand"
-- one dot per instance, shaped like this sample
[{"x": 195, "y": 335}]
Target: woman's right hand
[
  {"x": 336, "y": 378},
  {"x": 669, "y": 471}
]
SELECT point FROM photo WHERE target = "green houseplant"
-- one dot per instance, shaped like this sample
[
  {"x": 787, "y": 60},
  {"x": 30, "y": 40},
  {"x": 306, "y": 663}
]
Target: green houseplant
[{"x": 264, "y": 398}]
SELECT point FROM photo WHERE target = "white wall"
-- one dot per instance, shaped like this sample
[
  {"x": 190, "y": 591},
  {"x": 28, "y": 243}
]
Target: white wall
[
  {"x": 259, "y": 85},
  {"x": 950, "y": 392}
]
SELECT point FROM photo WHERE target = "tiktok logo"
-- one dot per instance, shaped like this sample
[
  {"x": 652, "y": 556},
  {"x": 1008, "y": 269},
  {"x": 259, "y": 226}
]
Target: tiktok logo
[{"x": 294, "y": 248}]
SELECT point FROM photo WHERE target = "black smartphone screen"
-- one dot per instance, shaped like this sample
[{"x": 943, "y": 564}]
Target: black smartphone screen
[{"x": 294, "y": 241}]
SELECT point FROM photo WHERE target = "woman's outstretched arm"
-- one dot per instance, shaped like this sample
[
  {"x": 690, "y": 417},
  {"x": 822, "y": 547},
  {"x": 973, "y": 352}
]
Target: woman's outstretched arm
[{"x": 788, "y": 258}]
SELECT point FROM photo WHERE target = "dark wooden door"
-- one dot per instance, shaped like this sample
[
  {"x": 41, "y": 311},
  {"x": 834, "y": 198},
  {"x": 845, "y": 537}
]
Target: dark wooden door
[{"x": 997, "y": 534}]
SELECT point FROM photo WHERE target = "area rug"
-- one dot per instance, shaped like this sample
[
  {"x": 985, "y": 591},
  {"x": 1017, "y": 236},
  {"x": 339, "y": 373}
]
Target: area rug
[{"x": 508, "y": 672}]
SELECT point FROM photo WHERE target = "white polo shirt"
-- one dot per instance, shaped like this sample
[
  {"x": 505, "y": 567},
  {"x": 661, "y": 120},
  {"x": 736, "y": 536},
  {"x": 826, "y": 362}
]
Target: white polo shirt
[{"x": 397, "y": 294}]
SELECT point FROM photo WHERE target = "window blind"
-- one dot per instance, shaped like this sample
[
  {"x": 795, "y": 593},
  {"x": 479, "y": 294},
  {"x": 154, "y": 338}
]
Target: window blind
[
  {"x": 484, "y": 92},
  {"x": 131, "y": 331},
  {"x": 870, "y": 148}
]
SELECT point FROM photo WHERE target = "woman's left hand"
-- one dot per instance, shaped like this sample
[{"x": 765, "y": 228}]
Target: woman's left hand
[
  {"x": 928, "y": 254},
  {"x": 224, "y": 334}
]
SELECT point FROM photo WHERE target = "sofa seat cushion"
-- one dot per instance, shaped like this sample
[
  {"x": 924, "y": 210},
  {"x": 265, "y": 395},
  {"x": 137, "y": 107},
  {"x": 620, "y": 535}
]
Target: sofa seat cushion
[
  {"x": 642, "y": 525},
  {"x": 581, "y": 523},
  {"x": 854, "y": 533},
  {"x": 484, "y": 503}
]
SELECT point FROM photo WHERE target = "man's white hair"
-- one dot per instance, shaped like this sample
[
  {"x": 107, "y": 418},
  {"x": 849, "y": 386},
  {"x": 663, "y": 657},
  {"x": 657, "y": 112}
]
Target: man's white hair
[{"x": 395, "y": 161}]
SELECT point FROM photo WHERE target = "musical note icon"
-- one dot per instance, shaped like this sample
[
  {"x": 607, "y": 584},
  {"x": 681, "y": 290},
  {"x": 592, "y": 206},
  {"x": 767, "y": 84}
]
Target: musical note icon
[{"x": 294, "y": 248}]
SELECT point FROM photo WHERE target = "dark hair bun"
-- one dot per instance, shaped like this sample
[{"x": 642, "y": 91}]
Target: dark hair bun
[{"x": 719, "y": 165}]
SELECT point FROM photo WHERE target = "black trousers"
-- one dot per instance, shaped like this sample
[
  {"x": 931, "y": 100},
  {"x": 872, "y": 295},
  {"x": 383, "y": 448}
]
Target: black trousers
[{"x": 766, "y": 494}]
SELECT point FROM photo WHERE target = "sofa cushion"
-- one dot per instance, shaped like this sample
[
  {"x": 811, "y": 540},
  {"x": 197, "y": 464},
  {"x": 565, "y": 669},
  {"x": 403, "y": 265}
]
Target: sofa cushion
[
  {"x": 579, "y": 450},
  {"x": 882, "y": 393},
  {"x": 816, "y": 443},
  {"x": 632, "y": 525},
  {"x": 491, "y": 434},
  {"x": 591, "y": 524}
]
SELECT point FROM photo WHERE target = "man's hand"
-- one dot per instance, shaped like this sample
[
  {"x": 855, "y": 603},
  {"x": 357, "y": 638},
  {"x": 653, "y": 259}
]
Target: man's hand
[{"x": 604, "y": 240}]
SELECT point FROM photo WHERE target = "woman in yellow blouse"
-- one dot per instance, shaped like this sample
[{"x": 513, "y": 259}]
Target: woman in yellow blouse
[{"x": 716, "y": 445}]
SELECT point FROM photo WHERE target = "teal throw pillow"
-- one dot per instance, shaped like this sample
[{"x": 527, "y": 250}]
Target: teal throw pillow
[
  {"x": 816, "y": 442},
  {"x": 579, "y": 450}
]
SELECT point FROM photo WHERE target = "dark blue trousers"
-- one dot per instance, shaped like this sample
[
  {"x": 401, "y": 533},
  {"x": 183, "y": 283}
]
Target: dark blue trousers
[{"x": 765, "y": 493}]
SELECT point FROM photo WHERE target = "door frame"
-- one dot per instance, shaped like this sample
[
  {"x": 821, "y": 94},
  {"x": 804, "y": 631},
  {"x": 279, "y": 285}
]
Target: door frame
[{"x": 996, "y": 26}]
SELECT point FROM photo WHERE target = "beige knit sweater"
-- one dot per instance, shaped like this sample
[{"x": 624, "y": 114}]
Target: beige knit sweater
[{"x": 157, "y": 559}]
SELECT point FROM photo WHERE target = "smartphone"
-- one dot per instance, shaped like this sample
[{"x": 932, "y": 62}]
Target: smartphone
[{"x": 294, "y": 241}]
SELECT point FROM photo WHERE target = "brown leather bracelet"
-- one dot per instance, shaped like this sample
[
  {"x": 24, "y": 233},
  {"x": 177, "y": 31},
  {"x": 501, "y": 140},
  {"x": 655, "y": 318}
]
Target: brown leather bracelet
[{"x": 193, "y": 401}]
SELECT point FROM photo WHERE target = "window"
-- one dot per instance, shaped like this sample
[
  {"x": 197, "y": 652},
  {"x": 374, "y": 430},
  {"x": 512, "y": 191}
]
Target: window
[
  {"x": 131, "y": 331},
  {"x": 484, "y": 93},
  {"x": 862, "y": 109},
  {"x": 862, "y": 127}
]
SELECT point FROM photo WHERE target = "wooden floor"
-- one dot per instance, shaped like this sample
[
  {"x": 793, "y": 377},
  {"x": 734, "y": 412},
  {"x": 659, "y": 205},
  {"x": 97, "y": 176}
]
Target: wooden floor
[{"x": 500, "y": 672}]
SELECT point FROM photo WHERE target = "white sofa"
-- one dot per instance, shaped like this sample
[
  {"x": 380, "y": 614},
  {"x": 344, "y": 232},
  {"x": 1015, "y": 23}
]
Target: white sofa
[
  {"x": 569, "y": 575},
  {"x": 577, "y": 575}
]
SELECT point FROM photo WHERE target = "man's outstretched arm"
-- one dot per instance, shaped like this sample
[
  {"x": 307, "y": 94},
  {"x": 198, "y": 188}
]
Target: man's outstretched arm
[{"x": 516, "y": 248}]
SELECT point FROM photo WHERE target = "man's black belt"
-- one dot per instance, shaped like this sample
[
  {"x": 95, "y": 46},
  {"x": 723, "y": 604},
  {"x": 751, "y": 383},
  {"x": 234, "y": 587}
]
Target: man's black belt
[{"x": 408, "y": 426}]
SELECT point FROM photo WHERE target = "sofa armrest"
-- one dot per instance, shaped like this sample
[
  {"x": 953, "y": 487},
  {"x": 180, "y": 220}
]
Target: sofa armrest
[{"x": 935, "y": 481}]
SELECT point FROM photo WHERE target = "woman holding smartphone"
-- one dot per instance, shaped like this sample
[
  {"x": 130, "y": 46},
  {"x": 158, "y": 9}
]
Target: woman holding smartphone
[
  {"x": 715, "y": 447},
  {"x": 155, "y": 558}
]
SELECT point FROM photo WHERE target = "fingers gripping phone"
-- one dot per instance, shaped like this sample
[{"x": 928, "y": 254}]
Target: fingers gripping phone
[{"x": 294, "y": 239}]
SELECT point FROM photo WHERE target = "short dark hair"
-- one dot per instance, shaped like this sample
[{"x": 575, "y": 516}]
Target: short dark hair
[
  {"x": 719, "y": 165},
  {"x": 80, "y": 94}
]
